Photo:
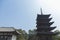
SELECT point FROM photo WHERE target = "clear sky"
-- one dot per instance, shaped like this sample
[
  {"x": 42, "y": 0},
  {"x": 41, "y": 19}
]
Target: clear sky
[{"x": 22, "y": 13}]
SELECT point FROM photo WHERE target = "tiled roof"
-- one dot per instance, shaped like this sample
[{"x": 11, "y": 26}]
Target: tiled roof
[
  {"x": 8, "y": 29},
  {"x": 4, "y": 29}
]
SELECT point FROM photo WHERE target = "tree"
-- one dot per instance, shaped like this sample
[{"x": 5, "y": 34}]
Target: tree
[
  {"x": 57, "y": 36},
  {"x": 23, "y": 35},
  {"x": 32, "y": 35}
]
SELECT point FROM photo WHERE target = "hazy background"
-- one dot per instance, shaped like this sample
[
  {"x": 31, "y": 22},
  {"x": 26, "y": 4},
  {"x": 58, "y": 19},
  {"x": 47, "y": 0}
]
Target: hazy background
[{"x": 22, "y": 13}]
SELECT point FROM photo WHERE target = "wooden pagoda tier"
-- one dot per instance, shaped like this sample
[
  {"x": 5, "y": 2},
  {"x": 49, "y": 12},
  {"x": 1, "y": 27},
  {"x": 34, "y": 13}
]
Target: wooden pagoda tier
[{"x": 44, "y": 27}]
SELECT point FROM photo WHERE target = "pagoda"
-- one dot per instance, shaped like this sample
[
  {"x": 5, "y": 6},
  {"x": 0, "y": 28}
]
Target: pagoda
[{"x": 44, "y": 27}]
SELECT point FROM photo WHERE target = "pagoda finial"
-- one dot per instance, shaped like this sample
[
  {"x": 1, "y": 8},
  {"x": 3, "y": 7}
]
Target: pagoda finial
[{"x": 41, "y": 11}]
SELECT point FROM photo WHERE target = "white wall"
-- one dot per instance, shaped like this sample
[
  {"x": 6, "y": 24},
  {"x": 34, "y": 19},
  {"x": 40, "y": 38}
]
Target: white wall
[{"x": 14, "y": 37}]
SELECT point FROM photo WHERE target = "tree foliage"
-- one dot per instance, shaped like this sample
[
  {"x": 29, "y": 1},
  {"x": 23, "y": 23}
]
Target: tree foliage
[
  {"x": 57, "y": 36},
  {"x": 22, "y": 36},
  {"x": 32, "y": 35}
]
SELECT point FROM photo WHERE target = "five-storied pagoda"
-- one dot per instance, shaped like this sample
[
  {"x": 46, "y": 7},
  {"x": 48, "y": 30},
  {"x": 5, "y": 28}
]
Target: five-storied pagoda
[{"x": 43, "y": 27}]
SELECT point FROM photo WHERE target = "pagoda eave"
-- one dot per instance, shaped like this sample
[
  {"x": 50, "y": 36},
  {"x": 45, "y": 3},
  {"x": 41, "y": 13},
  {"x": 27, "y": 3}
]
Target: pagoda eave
[
  {"x": 41, "y": 16},
  {"x": 51, "y": 23},
  {"x": 46, "y": 28},
  {"x": 43, "y": 19},
  {"x": 46, "y": 33},
  {"x": 49, "y": 29}
]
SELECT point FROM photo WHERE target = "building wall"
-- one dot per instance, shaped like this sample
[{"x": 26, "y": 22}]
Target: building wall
[{"x": 14, "y": 37}]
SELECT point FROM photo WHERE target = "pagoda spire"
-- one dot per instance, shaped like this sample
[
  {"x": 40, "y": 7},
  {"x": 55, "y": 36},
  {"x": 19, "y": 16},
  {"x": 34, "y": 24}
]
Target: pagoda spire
[{"x": 41, "y": 11}]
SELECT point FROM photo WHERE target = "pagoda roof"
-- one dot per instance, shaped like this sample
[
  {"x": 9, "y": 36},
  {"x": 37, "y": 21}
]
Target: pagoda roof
[
  {"x": 51, "y": 23},
  {"x": 43, "y": 16},
  {"x": 8, "y": 30},
  {"x": 45, "y": 28},
  {"x": 43, "y": 19},
  {"x": 46, "y": 33},
  {"x": 44, "y": 23}
]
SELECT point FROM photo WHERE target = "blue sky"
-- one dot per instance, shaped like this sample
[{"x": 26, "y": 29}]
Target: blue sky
[{"x": 22, "y": 13}]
